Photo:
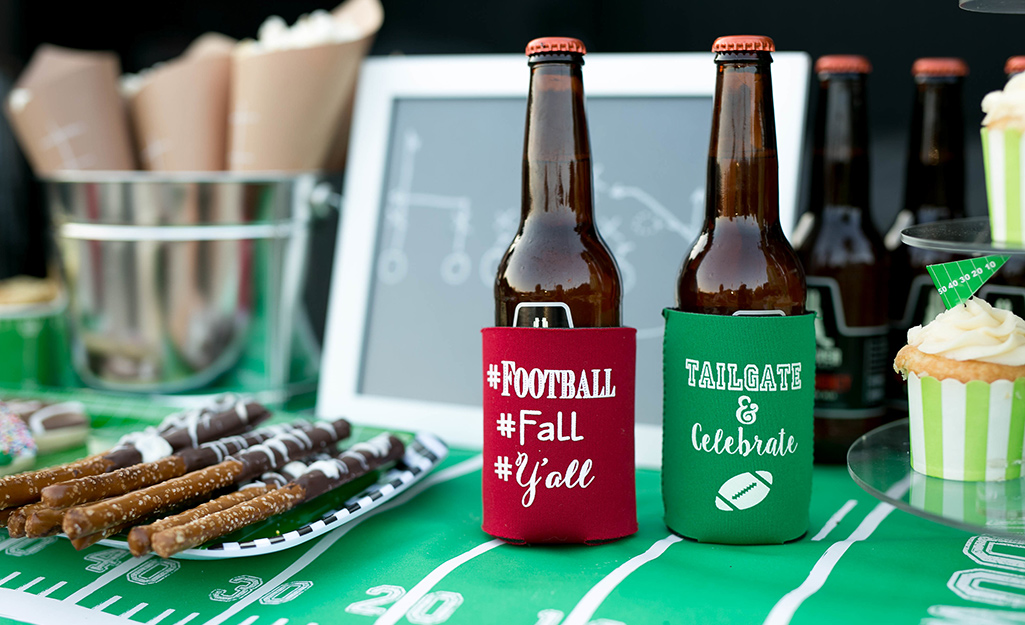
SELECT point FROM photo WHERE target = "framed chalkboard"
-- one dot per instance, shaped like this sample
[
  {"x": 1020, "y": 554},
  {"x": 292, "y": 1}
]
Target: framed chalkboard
[{"x": 432, "y": 200}]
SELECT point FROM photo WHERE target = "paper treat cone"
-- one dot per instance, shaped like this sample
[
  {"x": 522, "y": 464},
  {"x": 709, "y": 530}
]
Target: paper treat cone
[
  {"x": 67, "y": 112},
  {"x": 339, "y": 149},
  {"x": 1002, "y": 154},
  {"x": 969, "y": 432},
  {"x": 180, "y": 115},
  {"x": 287, "y": 104}
]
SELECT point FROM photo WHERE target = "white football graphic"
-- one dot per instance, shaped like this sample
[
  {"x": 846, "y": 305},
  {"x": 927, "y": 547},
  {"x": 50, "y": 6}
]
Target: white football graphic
[{"x": 743, "y": 491}]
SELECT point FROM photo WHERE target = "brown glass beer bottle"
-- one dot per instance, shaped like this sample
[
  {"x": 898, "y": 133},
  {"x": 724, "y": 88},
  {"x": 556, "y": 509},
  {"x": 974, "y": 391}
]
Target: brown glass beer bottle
[
  {"x": 846, "y": 264},
  {"x": 1014, "y": 65},
  {"x": 557, "y": 272},
  {"x": 934, "y": 190},
  {"x": 741, "y": 262}
]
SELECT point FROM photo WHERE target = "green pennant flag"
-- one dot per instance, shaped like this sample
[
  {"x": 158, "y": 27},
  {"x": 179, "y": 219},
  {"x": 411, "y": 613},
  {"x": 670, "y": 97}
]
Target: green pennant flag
[{"x": 959, "y": 280}]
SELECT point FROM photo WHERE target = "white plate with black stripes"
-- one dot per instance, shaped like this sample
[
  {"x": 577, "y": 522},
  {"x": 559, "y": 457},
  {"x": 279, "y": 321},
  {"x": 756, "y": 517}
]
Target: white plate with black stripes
[{"x": 424, "y": 452}]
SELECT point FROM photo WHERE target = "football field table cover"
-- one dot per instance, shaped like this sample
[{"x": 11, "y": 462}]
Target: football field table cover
[{"x": 425, "y": 560}]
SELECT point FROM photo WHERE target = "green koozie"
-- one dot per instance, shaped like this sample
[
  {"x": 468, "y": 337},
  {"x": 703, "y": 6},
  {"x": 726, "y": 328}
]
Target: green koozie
[{"x": 737, "y": 419}]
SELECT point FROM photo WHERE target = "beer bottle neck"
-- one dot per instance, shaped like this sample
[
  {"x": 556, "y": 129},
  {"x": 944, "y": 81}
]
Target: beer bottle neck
[
  {"x": 556, "y": 150},
  {"x": 840, "y": 169},
  {"x": 935, "y": 170},
  {"x": 743, "y": 169}
]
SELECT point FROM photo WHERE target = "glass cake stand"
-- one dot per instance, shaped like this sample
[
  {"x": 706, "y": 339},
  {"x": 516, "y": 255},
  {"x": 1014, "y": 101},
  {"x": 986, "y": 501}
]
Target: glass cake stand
[
  {"x": 960, "y": 236},
  {"x": 880, "y": 463}
]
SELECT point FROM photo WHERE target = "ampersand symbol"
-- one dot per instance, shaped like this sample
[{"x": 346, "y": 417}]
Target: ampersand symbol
[{"x": 748, "y": 411}]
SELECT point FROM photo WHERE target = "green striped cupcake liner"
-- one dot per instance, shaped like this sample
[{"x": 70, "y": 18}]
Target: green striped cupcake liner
[
  {"x": 995, "y": 505},
  {"x": 969, "y": 432},
  {"x": 1002, "y": 154}
]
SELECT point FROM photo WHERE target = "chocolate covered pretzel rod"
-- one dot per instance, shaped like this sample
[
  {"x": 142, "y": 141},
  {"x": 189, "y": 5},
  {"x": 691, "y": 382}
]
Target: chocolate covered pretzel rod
[
  {"x": 16, "y": 522},
  {"x": 120, "y": 481},
  {"x": 23, "y": 488},
  {"x": 140, "y": 535},
  {"x": 89, "y": 540},
  {"x": 271, "y": 454},
  {"x": 352, "y": 463},
  {"x": 182, "y": 430},
  {"x": 153, "y": 443},
  {"x": 211, "y": 425},
  {"x": 319, "y": 478},
  {"x": 139, "y": 538},
  {"x": 169, "y": 542},
  {"x": 82, "y": 542},
  {"x": 44, "y": 521}
]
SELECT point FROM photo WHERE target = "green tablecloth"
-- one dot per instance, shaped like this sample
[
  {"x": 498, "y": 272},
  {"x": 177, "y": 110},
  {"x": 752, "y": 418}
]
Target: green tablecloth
[{"x": 426, "y": 561}]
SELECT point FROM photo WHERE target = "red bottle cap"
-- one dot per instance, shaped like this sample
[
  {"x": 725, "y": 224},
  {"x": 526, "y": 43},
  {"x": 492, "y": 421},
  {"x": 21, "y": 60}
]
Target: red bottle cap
[
  {"x": 1014, "y": 65},
  {"x": 939, "y": 67},
  {"x": 554, "y": 45},
  {"x": 843, "y": 64},
  {"x": 744, "y": 43}
]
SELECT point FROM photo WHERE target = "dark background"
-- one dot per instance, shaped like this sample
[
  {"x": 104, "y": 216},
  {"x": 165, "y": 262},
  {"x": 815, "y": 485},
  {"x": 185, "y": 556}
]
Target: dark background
[{"x": 892, "y": 33}]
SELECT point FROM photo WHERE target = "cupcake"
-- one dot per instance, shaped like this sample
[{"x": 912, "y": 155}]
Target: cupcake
[
  {"x": 1002, "y": 153},
  {"x": 966, "y": 393},
  {"x": 17, "y": 449},
  {"x": 54, "y": 427}
]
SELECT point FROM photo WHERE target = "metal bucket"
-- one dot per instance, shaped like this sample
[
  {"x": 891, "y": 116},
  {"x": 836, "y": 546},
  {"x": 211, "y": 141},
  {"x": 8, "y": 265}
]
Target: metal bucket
[{"x": 172, "y": 277}]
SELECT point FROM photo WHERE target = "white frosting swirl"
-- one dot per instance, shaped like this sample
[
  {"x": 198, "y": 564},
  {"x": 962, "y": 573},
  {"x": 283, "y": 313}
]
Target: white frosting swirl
[
  {"x": 973, "y": 331},
  {"x": 1006, "y": 109}
]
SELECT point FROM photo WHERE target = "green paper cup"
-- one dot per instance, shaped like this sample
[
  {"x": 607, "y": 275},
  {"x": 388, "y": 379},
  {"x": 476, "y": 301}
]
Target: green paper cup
[
  {"x": 968, "y": 432},
  {"x": 33, "y": 343},
  {"x": 1002, "y": 154}
]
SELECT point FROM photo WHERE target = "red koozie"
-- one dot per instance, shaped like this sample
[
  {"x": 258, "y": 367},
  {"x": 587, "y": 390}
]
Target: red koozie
[{"x": 559, "y": 434}]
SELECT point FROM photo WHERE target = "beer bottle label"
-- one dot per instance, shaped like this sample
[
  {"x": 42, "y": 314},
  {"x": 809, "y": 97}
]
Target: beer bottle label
[
  {"x": 850, "y": 362},
  {"x": 737, "y": 426},
  {"x": 923, "y": 305},
  {"x": 1005, "y": 297},
  {"x": 542, "y": 315}
]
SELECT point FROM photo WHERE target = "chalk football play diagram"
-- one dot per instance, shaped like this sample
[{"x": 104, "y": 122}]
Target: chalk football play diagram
[{"x": 629, "y": 216}]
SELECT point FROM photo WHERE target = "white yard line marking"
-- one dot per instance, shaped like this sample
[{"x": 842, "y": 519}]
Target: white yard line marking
[
  {"x": 457, "y": 470},
  {"x": 784, "y": 610},
  {"x": 835, "y": 520},
  {"x": 280, "y": 621},
  {"x": 49, "y": 591},
  {"x": 318, "y": 548},
  {"x": 24, "y": 587},
  {"x": 9, "y": 577},
  {"x": 132, "y": 612},
  {"x": 584, "y": 609},
  {"x": 7, "y": 542},
  {"x": 107, "y": 578},
  {"x": 187, "y": 618},
  {"x": 28, "y": 608},
  {"x": 250, "y": 620},
  {"x": 399, "y": 608},
  {"x": 156, "y": 619},
  {"x": 107, "y": 603}
]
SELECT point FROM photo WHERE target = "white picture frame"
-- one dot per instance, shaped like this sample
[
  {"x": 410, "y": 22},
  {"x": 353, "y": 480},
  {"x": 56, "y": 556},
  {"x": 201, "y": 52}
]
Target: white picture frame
[{"x": 384, "y": 80}]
